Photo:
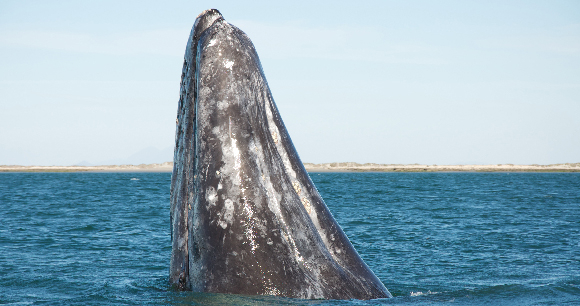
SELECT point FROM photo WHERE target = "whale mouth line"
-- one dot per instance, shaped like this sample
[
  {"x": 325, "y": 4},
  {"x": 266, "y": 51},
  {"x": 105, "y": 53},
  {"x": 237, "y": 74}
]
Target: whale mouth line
[{"x": 245, "y": 216}]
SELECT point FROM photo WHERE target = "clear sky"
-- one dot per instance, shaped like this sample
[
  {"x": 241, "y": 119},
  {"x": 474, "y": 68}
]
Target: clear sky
[{"x": 435, "y": 82}]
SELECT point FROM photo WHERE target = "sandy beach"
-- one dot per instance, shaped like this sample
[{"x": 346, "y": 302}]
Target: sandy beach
[{"x": 325, "y": 167}]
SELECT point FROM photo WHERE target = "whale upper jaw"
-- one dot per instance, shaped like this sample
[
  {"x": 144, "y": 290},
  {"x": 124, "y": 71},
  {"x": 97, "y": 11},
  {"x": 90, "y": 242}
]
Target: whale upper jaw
[
  {"x": 204, "y": 21},
  {"x": 245, "y": 216}
]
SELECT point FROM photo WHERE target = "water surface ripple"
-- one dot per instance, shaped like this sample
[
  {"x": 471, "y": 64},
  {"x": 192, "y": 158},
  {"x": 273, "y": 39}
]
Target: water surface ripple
[{"x": 432, "y": 238}]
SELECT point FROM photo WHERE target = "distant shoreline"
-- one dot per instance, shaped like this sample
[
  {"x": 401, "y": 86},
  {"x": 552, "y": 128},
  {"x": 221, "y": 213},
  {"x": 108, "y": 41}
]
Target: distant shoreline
[
  {"x": 325, "y": 167},
  {"x": 371, "y": 167},
  {"x": 163, "y": 167}
]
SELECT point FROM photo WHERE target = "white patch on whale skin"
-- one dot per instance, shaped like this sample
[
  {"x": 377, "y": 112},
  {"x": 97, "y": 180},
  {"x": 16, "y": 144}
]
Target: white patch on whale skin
[
  {"x": 307, "y": 205},
  {"x": 223, "y": 105},
  {"x": 228, "y": 214},
  {"x": 211, "y": 196},
  {"x": 237, "y": 155},
  {"x": 228, "y": 64},
  {"x": 297, "y": 187}
]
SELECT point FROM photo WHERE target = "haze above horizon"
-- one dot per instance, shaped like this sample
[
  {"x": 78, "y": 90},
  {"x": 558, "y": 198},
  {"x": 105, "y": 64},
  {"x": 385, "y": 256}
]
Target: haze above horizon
[{"x": 390, "y": 82}]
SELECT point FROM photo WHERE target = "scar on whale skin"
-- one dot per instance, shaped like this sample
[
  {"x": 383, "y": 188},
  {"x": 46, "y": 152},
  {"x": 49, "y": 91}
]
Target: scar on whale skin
[{"x": 245, "y": 216}]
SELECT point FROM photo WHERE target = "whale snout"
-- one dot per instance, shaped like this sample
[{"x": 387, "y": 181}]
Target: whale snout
[{"x": 205, "y": 20}]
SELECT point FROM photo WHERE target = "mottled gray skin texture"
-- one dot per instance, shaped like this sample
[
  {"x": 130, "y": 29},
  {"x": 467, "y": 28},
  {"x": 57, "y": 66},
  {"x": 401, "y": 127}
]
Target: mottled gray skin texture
[{"x": 245, "y": 216}]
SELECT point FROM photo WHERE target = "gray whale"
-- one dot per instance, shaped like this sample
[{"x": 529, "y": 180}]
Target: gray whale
[{"x": 245, "y": 216}]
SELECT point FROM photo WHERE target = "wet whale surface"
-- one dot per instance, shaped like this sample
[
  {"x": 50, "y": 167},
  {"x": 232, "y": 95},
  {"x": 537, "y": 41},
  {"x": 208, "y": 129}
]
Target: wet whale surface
[{"x": 245, "y": 216}]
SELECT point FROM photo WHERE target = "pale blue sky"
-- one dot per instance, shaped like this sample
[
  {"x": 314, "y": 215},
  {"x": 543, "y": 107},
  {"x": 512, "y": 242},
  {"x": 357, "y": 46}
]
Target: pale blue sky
[{"x": 435, "y": 82}]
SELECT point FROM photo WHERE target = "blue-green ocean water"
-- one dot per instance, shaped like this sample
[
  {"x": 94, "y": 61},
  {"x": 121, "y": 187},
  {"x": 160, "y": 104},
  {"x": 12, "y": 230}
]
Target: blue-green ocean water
[{"x": 432, "y": 238}]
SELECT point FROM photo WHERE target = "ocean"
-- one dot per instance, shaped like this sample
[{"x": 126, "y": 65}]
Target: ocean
[{"x": 432, "y": 238}]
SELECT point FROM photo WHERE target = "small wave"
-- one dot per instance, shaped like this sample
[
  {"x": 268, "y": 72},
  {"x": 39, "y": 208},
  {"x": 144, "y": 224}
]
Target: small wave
[
  {"x": 134, "y": 179},
  {"x": 86, "y": 228},
  {"x": 419, "y": 293}
]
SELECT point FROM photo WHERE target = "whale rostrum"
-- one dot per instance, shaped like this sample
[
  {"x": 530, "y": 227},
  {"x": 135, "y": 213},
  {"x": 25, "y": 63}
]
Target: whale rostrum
[{"x": 245, "y": 216}]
